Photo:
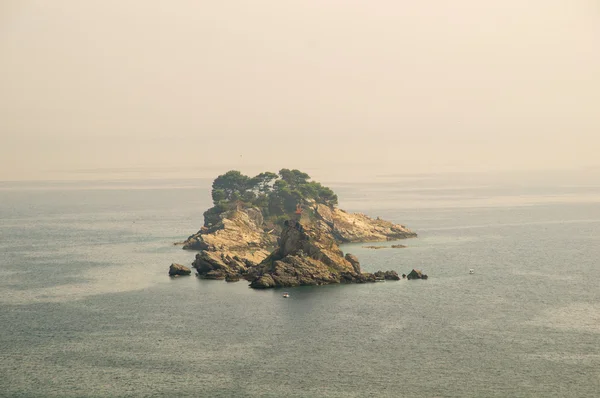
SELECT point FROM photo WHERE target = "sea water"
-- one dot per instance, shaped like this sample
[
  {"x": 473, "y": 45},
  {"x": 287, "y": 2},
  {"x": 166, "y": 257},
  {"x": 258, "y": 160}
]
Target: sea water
[{"x": 87, "y": 308}]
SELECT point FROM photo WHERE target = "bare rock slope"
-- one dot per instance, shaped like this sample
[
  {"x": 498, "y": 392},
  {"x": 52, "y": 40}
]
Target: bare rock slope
[
  {"x": 358, "y": 227},
  {"x": 303, "y": 252},
  {"x": 237, "y": 242},
  {"x": 308, "y": 255}
]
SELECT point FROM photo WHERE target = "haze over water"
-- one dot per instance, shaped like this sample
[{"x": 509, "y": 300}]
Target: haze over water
[
  {"x": 95, "y": 88},
  {"x": 87, "y": 308},
  {"x": 475, "y": 123}
]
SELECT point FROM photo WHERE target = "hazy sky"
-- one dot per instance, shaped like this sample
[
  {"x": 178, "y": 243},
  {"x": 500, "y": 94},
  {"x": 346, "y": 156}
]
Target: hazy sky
[{"x": 106, "y": 88}]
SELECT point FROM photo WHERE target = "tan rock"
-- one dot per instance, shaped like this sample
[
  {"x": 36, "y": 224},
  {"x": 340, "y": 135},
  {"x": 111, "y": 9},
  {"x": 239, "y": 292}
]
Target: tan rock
[
  {"x": 358, "y": 227},
  {"x": 307, "y": 252}
]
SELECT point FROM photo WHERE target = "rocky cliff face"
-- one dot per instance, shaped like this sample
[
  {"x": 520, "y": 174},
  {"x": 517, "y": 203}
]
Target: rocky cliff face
[
  {"x": 306, "y": 253},
  {"x": 236, "y": 242},
  {"x": 357, "y": 227},
  {"x": 305, "y": 256},
  {"x": 240, "y": 231}
]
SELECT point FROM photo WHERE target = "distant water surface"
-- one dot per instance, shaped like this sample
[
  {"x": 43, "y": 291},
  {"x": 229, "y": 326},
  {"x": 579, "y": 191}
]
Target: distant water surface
[{"x": 86, "y": 307}]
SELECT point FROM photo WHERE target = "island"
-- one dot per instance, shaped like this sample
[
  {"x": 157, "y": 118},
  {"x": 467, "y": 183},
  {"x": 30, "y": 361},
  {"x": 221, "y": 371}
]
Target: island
[{"x": 283, "y": 230}]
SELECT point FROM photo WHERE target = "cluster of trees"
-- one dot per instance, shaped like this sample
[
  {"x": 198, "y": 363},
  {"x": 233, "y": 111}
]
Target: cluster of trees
[{"x": 274, "y": 194}]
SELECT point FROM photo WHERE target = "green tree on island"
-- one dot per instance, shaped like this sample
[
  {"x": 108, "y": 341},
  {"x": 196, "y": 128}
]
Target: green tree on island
[{"x": 274, "y": 194}]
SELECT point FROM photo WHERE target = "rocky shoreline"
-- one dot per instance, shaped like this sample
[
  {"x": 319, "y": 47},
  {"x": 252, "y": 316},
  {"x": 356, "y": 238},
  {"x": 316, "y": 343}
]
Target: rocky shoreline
[{"x": 304, "y": 251}]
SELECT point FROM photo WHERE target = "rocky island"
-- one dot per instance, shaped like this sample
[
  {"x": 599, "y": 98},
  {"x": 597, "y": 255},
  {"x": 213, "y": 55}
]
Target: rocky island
[{"x": 277, "y": 230}]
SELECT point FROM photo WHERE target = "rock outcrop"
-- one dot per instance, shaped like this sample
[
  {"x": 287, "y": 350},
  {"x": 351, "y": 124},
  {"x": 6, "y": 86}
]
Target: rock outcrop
[
  {"x": 416, "y": 274},
  {"x": 306, "y": 255},
  {"x": 178, "y": 269},
  {"x": 387, "y": 275},
  {"x": 357, "y": 227},
  {"x": 352, "y": 259},
  {"x": 235, "y": 243},
  {"x": 240, "y": 231},
  {"x": 309, "y": 255},
  {"x": 384, "y": 247},
  {"x": 241, "y": 239},
  {"x": 232, "y": 278}
]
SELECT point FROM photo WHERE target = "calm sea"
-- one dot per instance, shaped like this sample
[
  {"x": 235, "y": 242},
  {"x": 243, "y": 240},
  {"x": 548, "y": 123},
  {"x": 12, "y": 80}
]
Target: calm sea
[{"x": 87, "y": 308}]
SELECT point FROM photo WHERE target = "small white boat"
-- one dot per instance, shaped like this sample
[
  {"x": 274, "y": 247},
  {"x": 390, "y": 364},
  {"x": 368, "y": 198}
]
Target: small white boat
[
  {"x": 471, "y": 271},
  {"x": 286, "y": 295}
]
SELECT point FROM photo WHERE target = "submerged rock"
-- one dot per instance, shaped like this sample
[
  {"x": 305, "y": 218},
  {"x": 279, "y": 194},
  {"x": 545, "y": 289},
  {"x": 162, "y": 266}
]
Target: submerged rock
[
  {"x": 178, "y": 269},
  {"x": 416, "y": 274},
  {"x": 386, "y": 275},
  {"x": 391, "y": 276}
]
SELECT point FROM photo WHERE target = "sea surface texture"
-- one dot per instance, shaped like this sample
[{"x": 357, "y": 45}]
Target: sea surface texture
[{"x": 87, "y": 308}]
